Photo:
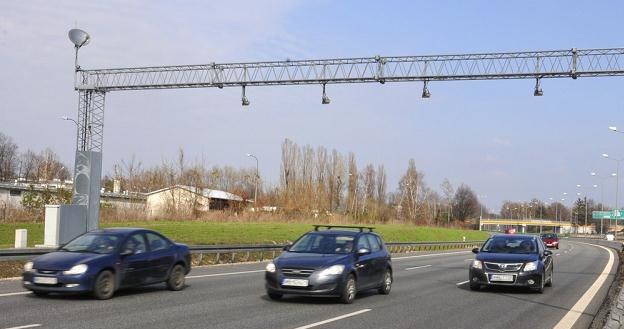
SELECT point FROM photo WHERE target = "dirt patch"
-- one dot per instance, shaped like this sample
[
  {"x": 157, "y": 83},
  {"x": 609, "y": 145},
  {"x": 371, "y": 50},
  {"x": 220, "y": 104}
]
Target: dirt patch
[{"x": 12, "y": 268}]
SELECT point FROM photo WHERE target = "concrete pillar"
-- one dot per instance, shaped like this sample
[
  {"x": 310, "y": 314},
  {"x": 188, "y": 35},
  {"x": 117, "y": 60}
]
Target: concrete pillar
[{"x": 21, "y": 238}]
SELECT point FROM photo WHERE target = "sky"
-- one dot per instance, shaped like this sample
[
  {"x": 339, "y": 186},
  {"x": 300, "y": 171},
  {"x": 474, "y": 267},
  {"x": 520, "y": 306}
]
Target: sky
[{"x": 492, "y": 135}]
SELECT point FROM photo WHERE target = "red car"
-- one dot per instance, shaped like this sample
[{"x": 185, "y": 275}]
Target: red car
[{"x": 551, "y": 240}]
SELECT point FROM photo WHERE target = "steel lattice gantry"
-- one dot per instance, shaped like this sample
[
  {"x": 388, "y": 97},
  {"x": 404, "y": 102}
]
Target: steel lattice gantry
[
  {"x": 522, "y": 65},
  {"x": 93, "y": 85}
]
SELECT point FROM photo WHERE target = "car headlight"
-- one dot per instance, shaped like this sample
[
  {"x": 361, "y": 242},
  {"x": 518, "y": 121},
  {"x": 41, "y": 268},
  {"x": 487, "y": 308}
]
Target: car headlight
[
  {"x": 477, "y": 264},
  {"x": 531, "y": 266},
  {"x": 270, "y": 267},
  {"x": 28, "y": 266},
  {"x": 76, "y": 270},
  {"x": 332, "y": 270}
]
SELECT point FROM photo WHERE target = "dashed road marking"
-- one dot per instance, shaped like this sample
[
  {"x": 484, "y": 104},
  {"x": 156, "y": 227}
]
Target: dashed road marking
[
  {"x": 15, "y": 293},
  {"x": 417, "y": 267},
  {"x": 316, "y": 324},
  {"x": 26, "y": 326}
]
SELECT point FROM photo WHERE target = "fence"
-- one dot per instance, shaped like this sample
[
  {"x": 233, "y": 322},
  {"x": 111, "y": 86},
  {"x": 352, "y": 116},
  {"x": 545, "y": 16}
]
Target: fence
[{"x": 237, "y": 253}]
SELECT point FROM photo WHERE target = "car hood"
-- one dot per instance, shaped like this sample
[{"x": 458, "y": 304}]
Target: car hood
[
  {"x": 506, "y": 258},
  {"x": 309, "y": 260},
  {"x": 64, "y": 260}
]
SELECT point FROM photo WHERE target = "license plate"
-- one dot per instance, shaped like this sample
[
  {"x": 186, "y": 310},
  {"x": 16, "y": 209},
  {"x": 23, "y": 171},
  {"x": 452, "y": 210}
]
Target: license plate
[
  {"x": 502, "y": 278},
  {"x": 45, "y": 280},
  {"x": 295, "y": 283}
]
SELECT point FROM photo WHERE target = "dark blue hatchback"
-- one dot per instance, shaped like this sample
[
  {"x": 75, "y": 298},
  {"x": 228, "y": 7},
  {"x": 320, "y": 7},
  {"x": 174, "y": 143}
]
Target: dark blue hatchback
[
  {"x": 329, "y": 262},
  {"x": 104, "y": 261}
]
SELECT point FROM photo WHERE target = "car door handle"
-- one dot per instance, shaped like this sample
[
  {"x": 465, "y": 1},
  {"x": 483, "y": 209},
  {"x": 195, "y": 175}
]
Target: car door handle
[{"x": 360, "y": 265}]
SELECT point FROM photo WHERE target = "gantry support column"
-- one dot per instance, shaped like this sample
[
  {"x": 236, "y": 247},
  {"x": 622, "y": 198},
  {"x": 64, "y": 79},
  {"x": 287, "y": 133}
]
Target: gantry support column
[{"x": 88, "y": 165}]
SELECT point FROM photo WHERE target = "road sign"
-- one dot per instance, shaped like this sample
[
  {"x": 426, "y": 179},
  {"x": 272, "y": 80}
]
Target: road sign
[
  {"x": 614, "y": 214},
  {"x": 601, "y": 214}
]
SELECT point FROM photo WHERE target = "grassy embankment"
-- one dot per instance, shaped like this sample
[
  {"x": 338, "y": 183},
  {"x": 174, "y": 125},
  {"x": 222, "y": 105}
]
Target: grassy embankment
[{"x": 194, "y": 232}]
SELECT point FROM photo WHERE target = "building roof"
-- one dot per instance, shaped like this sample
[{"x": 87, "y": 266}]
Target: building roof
[{"x": 208, "y": 193}]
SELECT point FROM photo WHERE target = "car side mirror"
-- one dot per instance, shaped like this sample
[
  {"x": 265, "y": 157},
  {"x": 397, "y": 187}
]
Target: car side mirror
[
  {"x": 363, "y": 251},
  {"x": 475, "y": 250},
  {"x": 287, "y": 247},
  {"x": 547, "y": 253}
]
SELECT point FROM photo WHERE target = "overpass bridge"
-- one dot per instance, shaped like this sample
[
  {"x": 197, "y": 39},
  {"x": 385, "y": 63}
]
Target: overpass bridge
[{"x": 527, "y": 225}]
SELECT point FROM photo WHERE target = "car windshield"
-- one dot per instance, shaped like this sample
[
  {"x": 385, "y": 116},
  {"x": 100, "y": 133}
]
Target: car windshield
[
  {"x": 93, "y": 243},
  {"x": 510, "y": 245},
  {"x": 323, "y": 244},
  {"x": 548, "y": 236}
]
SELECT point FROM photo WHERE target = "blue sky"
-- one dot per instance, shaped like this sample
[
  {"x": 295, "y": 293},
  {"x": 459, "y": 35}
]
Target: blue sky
[{"x": 493, "y": 135}]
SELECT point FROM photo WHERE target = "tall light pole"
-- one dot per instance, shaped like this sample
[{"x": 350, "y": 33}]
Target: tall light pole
[
  {"x": 481, "y": 211},
  {"x": 256, "y": 182},
  {"x": 617, "y": 182},
  {"x": 603, "y": 179}
]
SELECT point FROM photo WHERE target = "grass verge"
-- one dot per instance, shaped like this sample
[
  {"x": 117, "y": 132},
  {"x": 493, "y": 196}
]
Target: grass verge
[{"x": 195, "y": 232}]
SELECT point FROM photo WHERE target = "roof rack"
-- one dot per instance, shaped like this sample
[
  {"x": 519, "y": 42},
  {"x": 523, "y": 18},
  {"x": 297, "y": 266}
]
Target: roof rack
[{"x": 329, "y": 227}]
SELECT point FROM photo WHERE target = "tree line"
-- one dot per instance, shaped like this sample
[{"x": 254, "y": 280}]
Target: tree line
[
  {"x": 29, "y": 165},
  {"x": 313, "y": 182}
]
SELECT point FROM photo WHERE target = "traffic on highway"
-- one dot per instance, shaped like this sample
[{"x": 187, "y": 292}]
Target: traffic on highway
[{"x": 348, "y": 264}]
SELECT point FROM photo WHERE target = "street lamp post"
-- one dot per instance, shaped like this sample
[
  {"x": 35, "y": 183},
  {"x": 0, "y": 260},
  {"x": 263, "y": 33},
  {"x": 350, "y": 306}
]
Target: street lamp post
[
  {"x": 256, "y": 181},
  {"x": 617, "y": 182}
]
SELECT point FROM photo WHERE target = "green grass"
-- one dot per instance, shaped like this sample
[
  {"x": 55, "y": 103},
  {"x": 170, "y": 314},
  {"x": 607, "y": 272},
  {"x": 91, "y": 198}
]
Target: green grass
[{"x": 193, "y": 232}]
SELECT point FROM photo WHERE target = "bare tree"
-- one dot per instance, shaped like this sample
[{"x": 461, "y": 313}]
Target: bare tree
[
  {"x": 8, "y": 157},
  {"x": 448, "y": 192},
  {"x": 465, "y": 203}
]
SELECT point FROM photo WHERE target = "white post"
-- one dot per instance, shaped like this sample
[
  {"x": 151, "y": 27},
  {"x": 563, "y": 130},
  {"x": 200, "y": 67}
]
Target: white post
[{"x": 21, "y": 238}]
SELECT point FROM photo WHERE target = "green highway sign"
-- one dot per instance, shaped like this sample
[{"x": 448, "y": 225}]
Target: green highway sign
[{"x": 613, "y": 214}]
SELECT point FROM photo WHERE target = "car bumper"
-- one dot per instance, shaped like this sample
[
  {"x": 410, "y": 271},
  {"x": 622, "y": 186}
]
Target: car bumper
[
  {"x": 552, "y": 244},
  {"x": 530, "y": 279},
  {"x": 65, "y": 283},
  {"x": 329, "y": 286}
]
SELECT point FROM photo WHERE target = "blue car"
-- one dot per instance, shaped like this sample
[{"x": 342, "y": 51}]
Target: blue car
[
  {"x": 103, "y": 261},
  {"x": 512, "y": 260},
  {"x": 331, "y": 263}
]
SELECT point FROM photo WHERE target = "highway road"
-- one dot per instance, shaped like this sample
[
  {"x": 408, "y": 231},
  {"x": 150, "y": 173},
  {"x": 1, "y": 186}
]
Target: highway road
[{"x": 430, "y": 291}]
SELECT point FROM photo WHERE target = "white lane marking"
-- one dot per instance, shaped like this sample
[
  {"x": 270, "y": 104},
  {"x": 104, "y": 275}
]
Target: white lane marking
[
  {"x": 316, "y": 324},
  {"x": 431, "y": 255},
  {"x": 417, "y": 267},
  {"x": 221, "y": 274},
  {"x": 15, "y": 293},
  {"x": 558, "y": 254},
  {"x": 26, "y": 326},
  {"x": 460, "y": 283},
  {"x": 575, "y": 312}
]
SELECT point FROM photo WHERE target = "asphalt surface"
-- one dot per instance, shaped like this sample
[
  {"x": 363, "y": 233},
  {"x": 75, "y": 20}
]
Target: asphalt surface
[{"x": 428, "y": 292}]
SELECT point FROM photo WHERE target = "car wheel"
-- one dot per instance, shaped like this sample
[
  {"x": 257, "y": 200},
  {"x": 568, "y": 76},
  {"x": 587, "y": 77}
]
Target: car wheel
[
  {"x": 386, "y": 286},
  {"x": 550, "y": 280},
  {"x": 557, "y": 246},
  {"x": 475, "y": 286},
  {"x": 541, "y": 287},
  {"x": 40, "y": 293},
  {"x": 349, "y": 291},
  {"x": 104, "y": 285},
  {"x": 275, "y": 296},
  {"x": 176, "y": 278}
]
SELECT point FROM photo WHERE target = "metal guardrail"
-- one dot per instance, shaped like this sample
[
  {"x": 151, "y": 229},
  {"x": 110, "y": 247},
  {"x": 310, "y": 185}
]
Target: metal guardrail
[{"x": 262, "y": 250}]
